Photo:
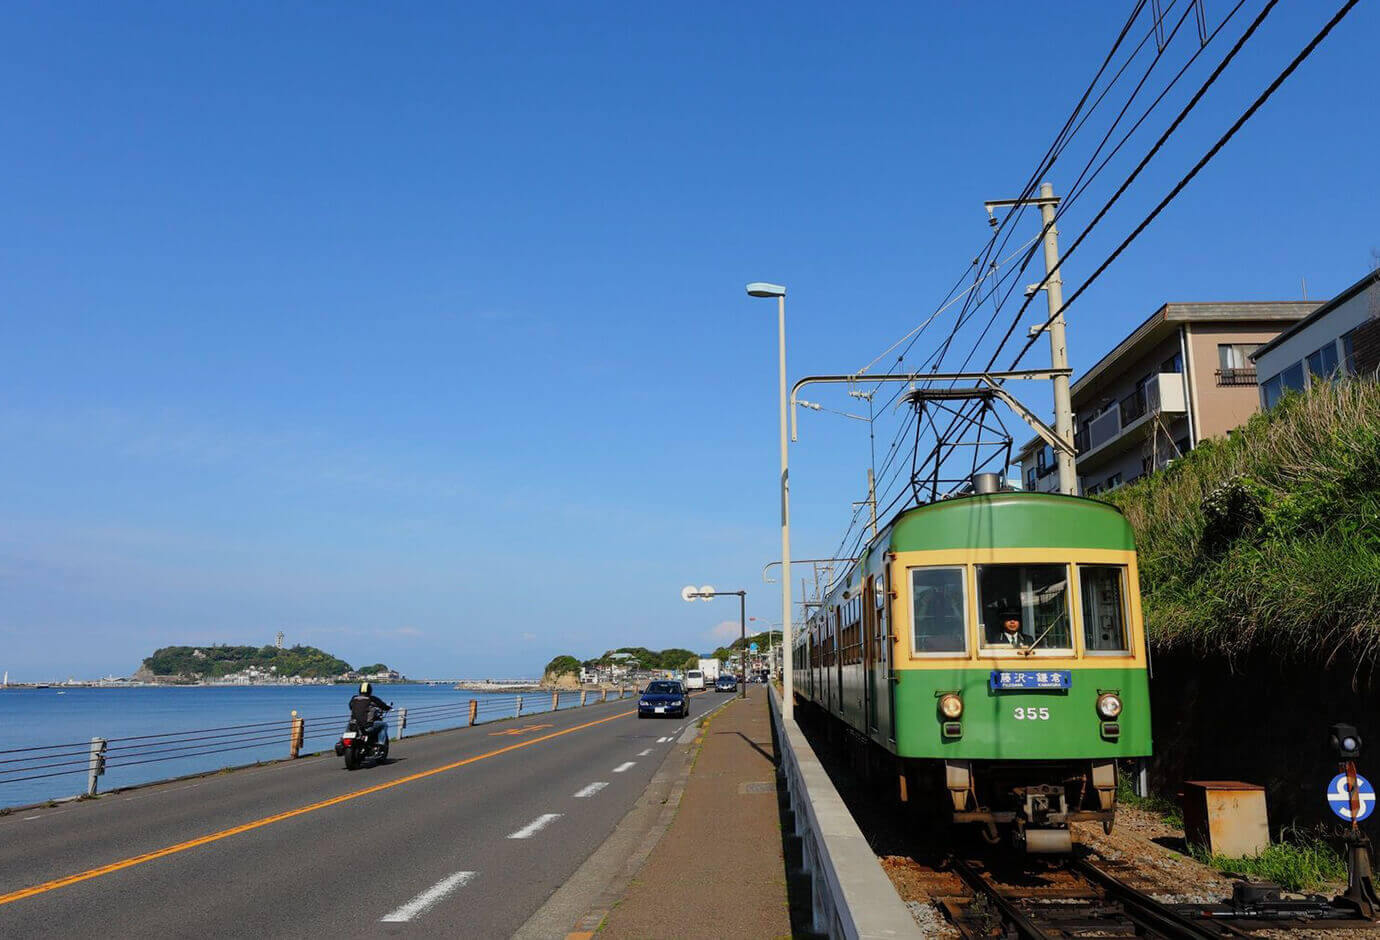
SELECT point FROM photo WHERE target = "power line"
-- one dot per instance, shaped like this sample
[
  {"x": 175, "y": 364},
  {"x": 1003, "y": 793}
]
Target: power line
[{"x": 1207, "y": 157}]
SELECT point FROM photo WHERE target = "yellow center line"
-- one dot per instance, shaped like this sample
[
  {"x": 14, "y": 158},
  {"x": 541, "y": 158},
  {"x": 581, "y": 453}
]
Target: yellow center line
[
  {"x": 279, "y": 817},
  {"x": 523, "y": 730}
]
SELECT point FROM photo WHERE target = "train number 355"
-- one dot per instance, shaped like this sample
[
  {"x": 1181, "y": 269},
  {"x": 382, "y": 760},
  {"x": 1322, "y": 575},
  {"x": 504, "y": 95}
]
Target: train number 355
[{"x": 1032, "y": 714}]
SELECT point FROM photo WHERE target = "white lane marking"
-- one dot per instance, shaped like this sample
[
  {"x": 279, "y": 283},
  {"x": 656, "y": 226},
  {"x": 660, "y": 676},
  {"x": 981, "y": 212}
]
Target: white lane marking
[
  {"x": 622, "y": 767},
  {"x": 644, "y": 753},
  {"x": 662, "y": 740},
  {"x": 592, "y": 789},
  {"x": 27, "y": 818},
  {"x": 535, "y": 826},
  {"x": 424, "y": 901}
]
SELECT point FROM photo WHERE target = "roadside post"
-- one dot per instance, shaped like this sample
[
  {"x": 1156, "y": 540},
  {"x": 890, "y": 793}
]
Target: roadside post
[
  {"x": 555, "y": 701},
  {"x": 95, "y": 765},
  {"x": 583, "y": 693},
  {"x": 603, "y": 695},
  {"x": 402, "y": 722},
  {"x": 1352, "y": 798},
  {"x": 518, "y": 713},
  {"x": 298, "y": 734},
  {"x": 474, "y": 709}
]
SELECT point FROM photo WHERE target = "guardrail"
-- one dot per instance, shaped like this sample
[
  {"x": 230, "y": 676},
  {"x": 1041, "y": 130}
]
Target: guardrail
[
  {"x": 850, "y": 894},
  {"x": 295, "y": 732}
]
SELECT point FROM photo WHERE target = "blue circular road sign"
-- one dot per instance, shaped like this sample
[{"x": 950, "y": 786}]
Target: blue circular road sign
[
  {"x": 1339, "y": 797},
  {"x": 752, "y": 647}
]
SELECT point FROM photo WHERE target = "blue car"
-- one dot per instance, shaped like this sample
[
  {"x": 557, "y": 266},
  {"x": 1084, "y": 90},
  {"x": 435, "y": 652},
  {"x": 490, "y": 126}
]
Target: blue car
[
  {"x": 664, "y": 697},
  {"x": 726, "y": 684}
]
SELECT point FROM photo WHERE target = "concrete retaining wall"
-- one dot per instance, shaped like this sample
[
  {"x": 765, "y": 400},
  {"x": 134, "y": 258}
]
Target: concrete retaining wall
[{"x": 851, "y": 896}]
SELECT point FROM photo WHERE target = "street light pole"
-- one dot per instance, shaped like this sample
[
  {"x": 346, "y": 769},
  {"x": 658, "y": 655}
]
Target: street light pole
[
  {"x": 690, "y": 593},
  {"x": 760, "y": 289}
]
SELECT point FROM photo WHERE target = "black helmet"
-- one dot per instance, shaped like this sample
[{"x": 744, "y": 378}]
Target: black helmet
[{"x": 365, "y": 688}]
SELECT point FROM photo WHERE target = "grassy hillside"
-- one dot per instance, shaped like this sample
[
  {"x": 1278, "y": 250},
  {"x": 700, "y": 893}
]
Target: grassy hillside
[{"x": 1269, "y": 539}]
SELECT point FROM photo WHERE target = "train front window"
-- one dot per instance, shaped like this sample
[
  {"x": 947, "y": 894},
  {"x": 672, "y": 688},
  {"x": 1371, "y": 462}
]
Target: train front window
[
  {"x": 938, "y": 603},
  {"x": 1104, "y": 609},
  {"x": 1024, "y": 607}
]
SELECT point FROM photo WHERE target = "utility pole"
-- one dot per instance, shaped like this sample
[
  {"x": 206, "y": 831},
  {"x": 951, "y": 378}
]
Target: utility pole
[
  {"x": 871, "y": 499},
  {"x": 1058, "y": 349}
]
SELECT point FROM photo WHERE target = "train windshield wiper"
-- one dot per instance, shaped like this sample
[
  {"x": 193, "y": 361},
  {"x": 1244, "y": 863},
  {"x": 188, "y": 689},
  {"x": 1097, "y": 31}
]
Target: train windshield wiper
[{"x": 1036, "y": 642}]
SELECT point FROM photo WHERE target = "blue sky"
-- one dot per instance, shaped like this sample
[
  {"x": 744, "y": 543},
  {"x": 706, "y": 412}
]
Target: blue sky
[{"x": 418, "y": 331}]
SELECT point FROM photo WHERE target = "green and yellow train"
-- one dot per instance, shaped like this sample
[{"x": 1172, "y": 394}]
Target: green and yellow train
[{"x": 990, "y": 649}]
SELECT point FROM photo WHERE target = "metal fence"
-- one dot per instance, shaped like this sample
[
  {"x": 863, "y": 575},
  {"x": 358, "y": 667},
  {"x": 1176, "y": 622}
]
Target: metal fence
[{"x": 202, "y": 750}]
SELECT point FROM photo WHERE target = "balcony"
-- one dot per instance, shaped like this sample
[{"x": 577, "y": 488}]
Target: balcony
[
  {"x": 1110, "y": 432},
  {"x": 1236, "y": 377},
  {"x": 1133, "y": 407}
]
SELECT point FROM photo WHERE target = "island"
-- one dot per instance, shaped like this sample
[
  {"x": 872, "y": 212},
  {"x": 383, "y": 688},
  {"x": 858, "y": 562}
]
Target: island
[{"x": 253, "y": 665}]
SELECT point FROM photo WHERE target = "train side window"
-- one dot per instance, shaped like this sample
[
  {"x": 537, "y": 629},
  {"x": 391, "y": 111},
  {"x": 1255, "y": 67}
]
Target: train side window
[
  {"x": 1024, "y": 607},
  {"x": 1104, "y": 608},
  {"x": 938, "y": 605}
]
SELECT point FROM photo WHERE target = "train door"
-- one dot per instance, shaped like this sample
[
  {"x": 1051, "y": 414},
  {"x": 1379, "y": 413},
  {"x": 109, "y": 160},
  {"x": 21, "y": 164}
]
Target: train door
[
  {"x": 883, "y": 687},
  {"x": 869, "y": 655}
]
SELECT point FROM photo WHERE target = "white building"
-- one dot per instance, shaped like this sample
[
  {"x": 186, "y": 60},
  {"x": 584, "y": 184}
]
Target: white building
[{"x": 1340, "y": 336}]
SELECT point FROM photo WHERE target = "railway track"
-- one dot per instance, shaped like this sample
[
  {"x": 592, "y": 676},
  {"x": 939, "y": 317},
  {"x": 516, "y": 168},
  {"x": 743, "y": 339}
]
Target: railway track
[{"x": 1072, "y": 899}]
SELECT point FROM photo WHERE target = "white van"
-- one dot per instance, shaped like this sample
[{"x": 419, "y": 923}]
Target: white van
[{"x": 694, "y": 679}]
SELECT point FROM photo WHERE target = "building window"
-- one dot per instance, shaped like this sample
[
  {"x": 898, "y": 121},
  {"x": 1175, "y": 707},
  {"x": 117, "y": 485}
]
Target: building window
[
  {"x": 1322, "y": 362},
  {"x": 1174, "y": 363},
  {"x": 1349, "y": 351},
  {"x": 1273, "y": 391},
  {"x": 1133, "y": 405},
  {"x": 1030, "y": 478},
  {"x": 1183, "y": 445},
  {"x": 1234, "y": 366},
  {"x": 1293, "y": 377}
]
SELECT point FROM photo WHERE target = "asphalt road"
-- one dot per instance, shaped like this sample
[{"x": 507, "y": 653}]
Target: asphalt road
[{"x": 465, "y": 833}]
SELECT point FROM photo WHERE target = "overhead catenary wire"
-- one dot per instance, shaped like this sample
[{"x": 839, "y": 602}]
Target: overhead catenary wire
[
  {"x": 1203, "y": 161},
  {"x": 1126, "y": 183}
]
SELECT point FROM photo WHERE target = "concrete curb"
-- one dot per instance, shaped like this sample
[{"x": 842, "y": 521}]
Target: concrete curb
[{"x": 850, "y": 895}]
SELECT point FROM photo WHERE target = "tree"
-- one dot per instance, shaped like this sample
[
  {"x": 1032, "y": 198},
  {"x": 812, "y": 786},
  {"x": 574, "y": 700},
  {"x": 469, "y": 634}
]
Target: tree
[{"x": 563, "y": 665}]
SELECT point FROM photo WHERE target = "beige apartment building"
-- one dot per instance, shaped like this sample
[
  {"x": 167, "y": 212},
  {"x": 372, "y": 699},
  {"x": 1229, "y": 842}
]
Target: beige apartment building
[{"x": 1183, "y": 375}]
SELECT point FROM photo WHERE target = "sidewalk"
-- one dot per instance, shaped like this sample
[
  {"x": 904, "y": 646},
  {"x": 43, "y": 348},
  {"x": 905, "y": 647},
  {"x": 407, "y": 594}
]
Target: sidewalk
[{"x": 719, "y": 870}]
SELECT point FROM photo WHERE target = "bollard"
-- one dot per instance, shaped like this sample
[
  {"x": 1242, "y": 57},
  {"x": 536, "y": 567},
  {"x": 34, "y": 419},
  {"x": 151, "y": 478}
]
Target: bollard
[
  {"x": 474, "y": 709},
  {"x": 96, "y": 765},
  {"x": 555, "y": 701},
  {"x": 402, "y": 722},
  {"x": 583, "y": 693},
  {"x": 603, "y": 695},
  {"x": 297, "y": 735},
  {"x": 518, "y": 713}
]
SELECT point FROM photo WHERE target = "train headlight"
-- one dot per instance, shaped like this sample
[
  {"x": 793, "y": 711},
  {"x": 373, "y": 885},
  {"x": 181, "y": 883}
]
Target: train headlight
[
  {"x": 1109, "y": 705},
  {"x": 951, "y": 706}
]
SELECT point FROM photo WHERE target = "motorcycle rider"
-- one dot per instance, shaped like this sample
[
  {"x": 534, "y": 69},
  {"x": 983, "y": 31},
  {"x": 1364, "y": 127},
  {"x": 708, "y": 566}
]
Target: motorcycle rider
[{"x": 367, "y": 711}]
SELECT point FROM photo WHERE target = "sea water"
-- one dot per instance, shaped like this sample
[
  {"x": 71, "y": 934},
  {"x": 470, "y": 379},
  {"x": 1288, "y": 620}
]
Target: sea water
[{"x": 38, "y": 718}]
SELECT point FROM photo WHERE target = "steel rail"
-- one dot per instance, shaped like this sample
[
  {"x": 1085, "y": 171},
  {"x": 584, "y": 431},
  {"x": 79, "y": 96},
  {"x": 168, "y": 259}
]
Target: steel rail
[
  {"x": 1151, "y": 914},
  {"x": 1025, "y": 927}
]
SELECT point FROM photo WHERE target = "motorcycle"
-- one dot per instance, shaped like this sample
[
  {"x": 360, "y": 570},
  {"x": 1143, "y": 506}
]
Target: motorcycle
[{"x": 369, "y": 743}]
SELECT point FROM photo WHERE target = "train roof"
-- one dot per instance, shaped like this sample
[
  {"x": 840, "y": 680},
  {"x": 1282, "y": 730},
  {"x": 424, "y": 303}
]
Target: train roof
[
  {"x": 1011, "y": 519},
  {"x": 1008, "y": 519}
]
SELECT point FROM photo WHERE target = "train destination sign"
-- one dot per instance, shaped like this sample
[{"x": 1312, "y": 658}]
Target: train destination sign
[
  {"x": 1339, "y": 798},
  {"x": 1002, "y": 680}
]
